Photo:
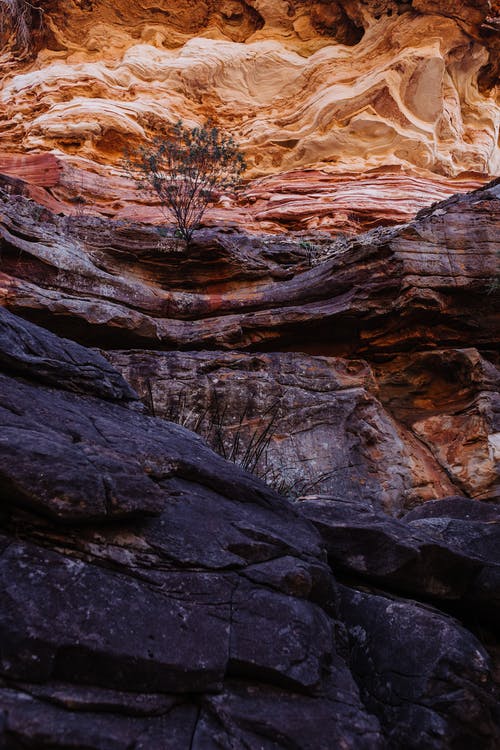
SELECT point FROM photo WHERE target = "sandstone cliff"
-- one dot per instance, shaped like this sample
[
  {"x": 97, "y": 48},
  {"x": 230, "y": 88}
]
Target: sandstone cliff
[{"x": 368, "y": 110}]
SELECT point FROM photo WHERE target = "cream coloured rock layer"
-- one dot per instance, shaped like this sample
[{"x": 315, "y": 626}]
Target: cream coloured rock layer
[{"x": 404, "y": 96}]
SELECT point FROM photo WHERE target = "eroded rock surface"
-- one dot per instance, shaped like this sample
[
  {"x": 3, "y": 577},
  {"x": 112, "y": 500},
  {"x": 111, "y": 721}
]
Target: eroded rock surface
[
  {"x": 154, "y": 595},
  {"x": 408, "y": 411},
  {"x": 449, "y": 557},
  {"x": 406, "y": 658},
  {"x": 319, "y": 94},
  {"x": 210, "y": 618},
  {"x": 305, "y": 424},
  {"x": 419, "y": 286}
]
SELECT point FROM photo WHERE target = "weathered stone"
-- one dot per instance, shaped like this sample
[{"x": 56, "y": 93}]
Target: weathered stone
[
  {"x": 242, "y": 530},
  {"x": 305, "y": 424},
  {"x": 164, "y": 620},
  {"x": 86, "y": 698},
  {"x": 89, "y": 479},
  {"x": 382, "y": 293},
  {"x": 31, "y": 351},
  {"x": 354, "y": 110},
  {"x": 455, "y": 507},
  {"x": 27, "y": 722},
  {"x": 448, "y": 558},
  {"x": 214, "y": 622},
  {"x": 279, "y": 639},
  {"x": 449, "y": 400},
  {"x": 152, "y": 594},
  {"x": 108, "y": 461},
  {"x": 421, "y": 673},
  {"x": 336, "y": 426},
  {"x": 110, "y": 630},
  {"x": 267, "y": 718}
]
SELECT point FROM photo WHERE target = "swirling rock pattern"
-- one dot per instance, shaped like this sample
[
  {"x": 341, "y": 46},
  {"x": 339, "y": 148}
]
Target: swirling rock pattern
[{"x": 339, "y": 87}]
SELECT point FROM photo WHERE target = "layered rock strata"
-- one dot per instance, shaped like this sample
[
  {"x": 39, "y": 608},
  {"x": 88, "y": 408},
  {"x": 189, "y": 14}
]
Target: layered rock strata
[
  {"x": 419, "y": 286},
  {"x": 313, "y": 91},
  {"x": 390, "y": 403},
  {"x": 195, "y": 607}
]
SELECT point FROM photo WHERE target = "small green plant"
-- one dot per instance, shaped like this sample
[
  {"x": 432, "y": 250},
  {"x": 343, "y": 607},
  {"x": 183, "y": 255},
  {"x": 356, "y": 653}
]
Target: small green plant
[{"x": 187, "y": 169}]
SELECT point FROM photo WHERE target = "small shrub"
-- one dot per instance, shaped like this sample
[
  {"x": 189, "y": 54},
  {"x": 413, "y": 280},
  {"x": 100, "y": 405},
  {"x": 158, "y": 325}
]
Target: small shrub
[
  {"x": 187, "y": 169},
  {"x": 247, "y": 447}
]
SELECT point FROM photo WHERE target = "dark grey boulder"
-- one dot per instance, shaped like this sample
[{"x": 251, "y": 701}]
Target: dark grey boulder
[
  {"x": 426, "y": 677},
  {"x": 455, "y": 507},
  {"x": 453, "y": 557},
  {"x": 37, "y": 354},
  {"x": 265, "y": 718},
  {"x": 26, "y": 722}
]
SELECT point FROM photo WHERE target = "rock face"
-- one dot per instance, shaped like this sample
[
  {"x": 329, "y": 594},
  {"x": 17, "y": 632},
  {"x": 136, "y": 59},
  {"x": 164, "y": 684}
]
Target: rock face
[
  {"x": 305, "y": 424},
  {"x": 203, "y": 613},
  {"x": 446, "y": 557},
  {"x": 320, "y": 94},
  {"x": 388, "y": 400},
  {"x": 418, "y": 286},
  {"x": 155, "y": 595}
]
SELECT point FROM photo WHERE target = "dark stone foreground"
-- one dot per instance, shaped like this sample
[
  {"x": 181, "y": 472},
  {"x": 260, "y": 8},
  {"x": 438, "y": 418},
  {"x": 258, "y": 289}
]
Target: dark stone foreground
[{"x": 157, "y": 597}]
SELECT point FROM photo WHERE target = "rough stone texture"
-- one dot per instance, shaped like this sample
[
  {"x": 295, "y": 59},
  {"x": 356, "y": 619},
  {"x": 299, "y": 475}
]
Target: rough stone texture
[
  {"x": 450, "y": 400},
  {"x": 26, "y": 348},
  {"x": 419, "y": 422},
  {"x": 414, "y": 427},
  {"x": 161, "y": 606},
  {"x": 321, "y": 94},
  {"x": 152, "y": 594},
  {"x": 454, "y": 556},
  {"x": 409, "y": 662},
  {"x": 305, "y": 424},
  {"x": 424, "y": 285},
  {"x": 215, "y": 622}
]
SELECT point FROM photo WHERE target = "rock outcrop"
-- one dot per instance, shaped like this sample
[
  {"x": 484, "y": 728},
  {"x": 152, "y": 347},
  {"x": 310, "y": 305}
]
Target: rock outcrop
[
  {"x": 417, "y": 286},
  {"x": 388, "y": 401},
  {"x": 305, "y": 424},
  {"x": 320, "y": 94},
  {"x": 201, "y": 612}
]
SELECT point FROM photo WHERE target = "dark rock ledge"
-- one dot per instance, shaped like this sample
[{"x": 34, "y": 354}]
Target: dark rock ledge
[{"x": 156, "y": 597}]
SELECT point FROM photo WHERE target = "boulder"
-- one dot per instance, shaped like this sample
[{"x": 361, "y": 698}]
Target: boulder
[
  {"x": 426, "y": 677},
  {"x": 452, "y": 556}
]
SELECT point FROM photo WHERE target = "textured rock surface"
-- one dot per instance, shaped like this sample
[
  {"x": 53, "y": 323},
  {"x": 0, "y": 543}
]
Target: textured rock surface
[
  {"x": 315, "y": 423},
  {"x": 423, "y": 285},
  {"x": 215, "y": 621},
  {"x": 185, "y": 575},
  {"x": 463, "y": 438},
  {"x": 445, "y": 558},
  {"x": 419, "y": 422},
  {"x": 409, "y": 661},
  {"x": 154, "y": 595},
  {"x": 343, "y": 87}
]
